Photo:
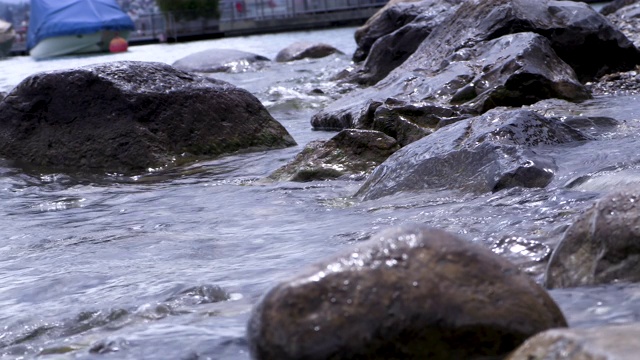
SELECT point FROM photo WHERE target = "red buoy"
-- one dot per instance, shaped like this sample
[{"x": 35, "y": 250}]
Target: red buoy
[{"x": 118, "y": 44}]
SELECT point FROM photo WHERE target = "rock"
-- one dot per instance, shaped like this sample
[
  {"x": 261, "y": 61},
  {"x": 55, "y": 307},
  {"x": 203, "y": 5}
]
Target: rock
[
  {"x": 512, "y": 70},
  {"x": 627, "y": 19},
  {"x": 391, "y": 17},
  {"x": 394, "y": 34},
  {"x": 304, "y": 50},
  {"x": 129, "y": 117},
  {"x": 411, "y": 292},
  {"x": 410, "y": 122},
  {"x": 601, "y": 246},
  {"x": 351, "y": 152},
  {"x": 619, "y": 342},
  {"x": 579, "y": 36},
  {"x": 2, "y": 95},
  {"x": 616, "y": 5},
  {"x": 485, "y": 153},
  {"x": 593, "y": 126},
  {"x": 220, "y": 60}
]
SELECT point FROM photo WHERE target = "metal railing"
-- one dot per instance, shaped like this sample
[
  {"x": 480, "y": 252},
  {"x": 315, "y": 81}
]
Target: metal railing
[{"x": 173, "y": 25}]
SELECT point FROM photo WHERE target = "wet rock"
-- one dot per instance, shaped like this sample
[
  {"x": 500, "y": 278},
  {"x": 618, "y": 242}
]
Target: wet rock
[
  {"x": 627, "y": 19},
  {"x": 578, "y": 35},
  {"x": 351, "y": 152},
  {"x": 603, "y": 343},
  {"x": 2, "y": 95},
  {"x": 410, "y": 122},
  {"x": 512, "y": 70},
  {"x": 129, "y": 117},
  {"x": 411, "y": 292},
  {"x": 616, "y": 5},
  {"x": 391, "y": 17},
  {"x": 394, "y": 34},
  {"x": 601, "y": 246},
  {"x": 485, "y": 153},
  {"x": 304, "y": 50},
  {"x": 591, "y": 125},
  {"x": 221, "y": 60}
]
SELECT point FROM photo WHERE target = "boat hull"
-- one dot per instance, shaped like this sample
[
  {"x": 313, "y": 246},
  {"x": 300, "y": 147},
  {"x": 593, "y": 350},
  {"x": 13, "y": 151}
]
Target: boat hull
[{"x": 75, "y": 44}]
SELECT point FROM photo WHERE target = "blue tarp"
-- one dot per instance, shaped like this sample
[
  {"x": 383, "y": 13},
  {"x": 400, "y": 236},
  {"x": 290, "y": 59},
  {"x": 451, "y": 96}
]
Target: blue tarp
[{"x": 51, "y": 18}]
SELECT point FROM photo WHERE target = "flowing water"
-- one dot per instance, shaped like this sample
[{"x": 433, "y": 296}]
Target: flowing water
[{"x": 168, "y": 265}]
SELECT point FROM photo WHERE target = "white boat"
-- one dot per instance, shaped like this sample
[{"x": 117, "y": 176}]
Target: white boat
[
  {"x": 7, "y": 36},
  {"x": 64, "y": 27},
  {"x": 76, "y": 44}
]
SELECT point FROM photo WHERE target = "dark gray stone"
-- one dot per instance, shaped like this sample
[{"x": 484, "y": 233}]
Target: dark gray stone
[
  {"x": 601, "y": 246},
  {"x": 616, "y": 5},
  {"x": 577, "y": 35},
  {"x": 220, "y": 60},
  {"x": 485, "y": 153},
  {"x": 513, "y": 70},
  {"x": 393, "y": 35},
  {"x": 593, "y": 126},
  {"x": 411, "y": 292},
  {"x": 353, "y": 153},
  {"x": 129, "y": 117},
  {"x": 410, "y": 122},
  {"x": 303, "y": 50},
  {"x": 394, "y": 15},
  {"x": 627, "y": 19}
]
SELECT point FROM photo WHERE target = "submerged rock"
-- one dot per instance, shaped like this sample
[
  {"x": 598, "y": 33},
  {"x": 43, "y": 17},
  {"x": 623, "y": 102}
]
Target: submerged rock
[
  {"x": 411, "y": 292},
  {"x": 601, "y": 246},
  {"x": 351, "y": 152},
  {"x": 485, "y": 153},
  {"x": 129, "y": 117},
  {"x": 609, "y": 342},
  {"x": 304, "y": 50},
  {"x": 220, "y": 60}
]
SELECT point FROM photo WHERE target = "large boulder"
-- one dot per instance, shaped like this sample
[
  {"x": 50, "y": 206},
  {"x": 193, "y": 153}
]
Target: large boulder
[
  {"x": 481, "y": 154},
  {"x": 392, "y": 16},
  {"x": 353, "y": 153},
  {"x": 129, "y": 117},
  {"x": 611, "y": 342},
  {"x": 627, "y": 19},
  {"x": 601, "y": 246},
  {"x": 394, "y": 33},
  {"x": 578, "y": 35},
  {"x": 220, "y": 60},
  {"x": 303, "y": 50},
  {"x": 513, "y": 70},
  {"x": 616, "y": 5},
  {"x": 411, "y": 292}
]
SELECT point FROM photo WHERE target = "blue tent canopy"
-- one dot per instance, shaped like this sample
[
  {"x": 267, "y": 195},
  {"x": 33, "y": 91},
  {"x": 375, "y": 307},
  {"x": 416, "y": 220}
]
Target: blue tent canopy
[{"x": 51, "y": 18}]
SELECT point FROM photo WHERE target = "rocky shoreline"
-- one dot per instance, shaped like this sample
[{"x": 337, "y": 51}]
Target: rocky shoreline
[
  {"x": 446, "y": 79},
  {"x": 445, "y": 94}
]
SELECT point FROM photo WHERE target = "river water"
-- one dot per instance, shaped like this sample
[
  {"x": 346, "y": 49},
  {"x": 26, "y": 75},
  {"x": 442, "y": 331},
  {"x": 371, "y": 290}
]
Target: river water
[{"x": 168, "y": 265}]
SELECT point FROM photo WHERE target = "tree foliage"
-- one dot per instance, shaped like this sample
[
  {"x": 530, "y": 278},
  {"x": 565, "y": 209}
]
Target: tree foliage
[{"x": 190, "y": 8}]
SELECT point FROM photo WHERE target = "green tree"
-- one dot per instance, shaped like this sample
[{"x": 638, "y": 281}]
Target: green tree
[{"x": 190, "y": 8}]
